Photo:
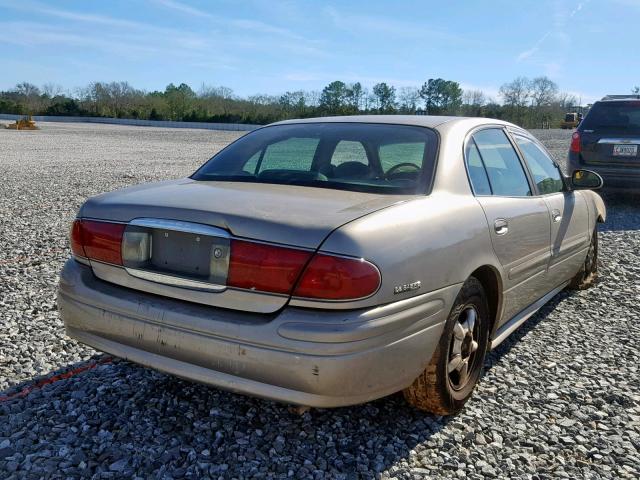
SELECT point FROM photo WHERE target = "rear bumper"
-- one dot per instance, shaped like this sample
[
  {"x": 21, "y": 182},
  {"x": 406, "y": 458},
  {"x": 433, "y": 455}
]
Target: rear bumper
[{"x": 318, "y": 358}]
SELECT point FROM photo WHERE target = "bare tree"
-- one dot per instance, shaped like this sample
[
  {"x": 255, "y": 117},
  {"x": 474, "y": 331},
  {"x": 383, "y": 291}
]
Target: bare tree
[
  {"x": 566, "y": 100},
  {"x": 215, "y": 91},
  {"x": 543, "y": 91},
  {"x": 312, "y": 98},
  {"x": 475, "y": 98},
  {"x": 409, "y": 98},
  {"x": 30, "y": 95},
  {"x": 516, "y": 93},
  {"x": 52, "y": 90}
]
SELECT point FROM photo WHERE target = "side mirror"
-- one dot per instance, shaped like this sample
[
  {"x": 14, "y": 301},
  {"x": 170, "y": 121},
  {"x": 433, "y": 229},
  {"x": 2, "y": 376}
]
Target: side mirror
[{"x": 586, "y": 180}]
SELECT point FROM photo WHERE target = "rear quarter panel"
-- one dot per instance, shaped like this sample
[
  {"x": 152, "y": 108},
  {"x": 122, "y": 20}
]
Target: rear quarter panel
[{"x": 436, "y": 240}]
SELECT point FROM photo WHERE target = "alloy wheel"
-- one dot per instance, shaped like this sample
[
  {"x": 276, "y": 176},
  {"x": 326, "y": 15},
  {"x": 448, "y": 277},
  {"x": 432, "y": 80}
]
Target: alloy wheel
[{"x": 463, "y": 348}]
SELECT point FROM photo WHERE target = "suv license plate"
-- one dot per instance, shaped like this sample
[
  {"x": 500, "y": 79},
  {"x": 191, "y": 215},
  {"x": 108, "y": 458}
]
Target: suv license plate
[{"x": 625, "y": 150}]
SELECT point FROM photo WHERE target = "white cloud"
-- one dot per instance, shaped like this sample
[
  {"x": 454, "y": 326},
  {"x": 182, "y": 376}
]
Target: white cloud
[
  {"x": 380, "y": 26},
  {"x": 245, "y": 24},
  {"x": 553, "y": 59},
  {"x": 184, "y": 8}
]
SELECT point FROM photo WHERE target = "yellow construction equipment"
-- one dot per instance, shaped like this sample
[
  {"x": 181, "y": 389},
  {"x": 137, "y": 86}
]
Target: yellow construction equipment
[
  {"x": 571, "y": 120},
  {"x": 25, "y": 123}
]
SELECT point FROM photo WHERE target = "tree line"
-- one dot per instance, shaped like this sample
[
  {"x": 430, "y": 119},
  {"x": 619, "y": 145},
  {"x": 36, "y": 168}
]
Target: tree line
[{"x": 527, "y": 102}]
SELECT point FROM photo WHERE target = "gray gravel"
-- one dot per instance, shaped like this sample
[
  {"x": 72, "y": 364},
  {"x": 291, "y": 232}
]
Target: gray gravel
[{"x": 559, "y": 399}]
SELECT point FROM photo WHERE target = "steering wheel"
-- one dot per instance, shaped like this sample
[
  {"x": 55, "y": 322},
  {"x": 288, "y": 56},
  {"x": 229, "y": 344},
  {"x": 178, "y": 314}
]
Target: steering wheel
[{"x": 400, "y": 165}]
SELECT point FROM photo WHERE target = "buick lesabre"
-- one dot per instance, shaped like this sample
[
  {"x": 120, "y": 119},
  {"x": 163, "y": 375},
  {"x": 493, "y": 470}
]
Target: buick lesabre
[{"x": 332, "y": 261}]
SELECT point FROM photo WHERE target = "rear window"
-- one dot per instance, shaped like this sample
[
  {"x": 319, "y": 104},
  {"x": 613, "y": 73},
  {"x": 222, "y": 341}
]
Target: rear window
[
  {"x": 623, "y": 116},
  {"x": 378, "y": 158}
]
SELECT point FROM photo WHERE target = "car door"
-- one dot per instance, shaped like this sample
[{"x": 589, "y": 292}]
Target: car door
[
  {"x": 568, "y": 211},
  {"x": 518, "y": 221}
]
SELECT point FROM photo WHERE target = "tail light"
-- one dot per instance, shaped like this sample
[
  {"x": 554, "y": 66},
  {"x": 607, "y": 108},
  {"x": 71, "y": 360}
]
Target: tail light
[
  {"x": 576, "y": 146},
  {"x": 97, "y": 240},
  {"x": 252, "y": 266},
  {"x": 76, "y": 239},
  {"x": 256, "y": 266},
  {"x": 331, "y": 277}
]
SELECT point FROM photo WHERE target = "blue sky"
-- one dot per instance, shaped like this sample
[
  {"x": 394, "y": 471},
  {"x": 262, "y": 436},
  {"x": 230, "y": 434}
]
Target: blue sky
[{"x": 588, "y": 47}]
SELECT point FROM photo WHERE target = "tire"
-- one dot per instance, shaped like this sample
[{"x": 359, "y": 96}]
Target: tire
[
  {"x": 588, "y": 273},
  {"x": 437, "y": 390}
]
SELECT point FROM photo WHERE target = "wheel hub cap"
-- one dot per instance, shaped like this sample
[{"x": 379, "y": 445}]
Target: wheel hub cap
[{"x": 463, "y": 348}]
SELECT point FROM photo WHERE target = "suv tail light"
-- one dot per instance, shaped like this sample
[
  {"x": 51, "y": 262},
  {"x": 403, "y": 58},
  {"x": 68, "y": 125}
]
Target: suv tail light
[
  {"x": 331, "y": 277},
  {"x": 97, "y": 240},
  {"x": 576, "y": 146}
]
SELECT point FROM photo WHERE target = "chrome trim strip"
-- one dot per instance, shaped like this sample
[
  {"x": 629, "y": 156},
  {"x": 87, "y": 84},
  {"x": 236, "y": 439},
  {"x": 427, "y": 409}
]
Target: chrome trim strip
[
  {"x": 83, "y": 260},
  {"x": 175, "y": 281},
  {"x": 512, "y": 325},
  {"x": 246, "y": 300},
  {"x": 180, "y": 226},
  {"x": 623, "y": 141}
]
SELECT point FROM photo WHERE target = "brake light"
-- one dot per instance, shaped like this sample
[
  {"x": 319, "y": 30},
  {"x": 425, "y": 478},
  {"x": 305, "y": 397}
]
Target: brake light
[
  {"x": 76, "y": 239},
  {"x": 267, "y": 268},
  {"x": 338, "y": 278},
  {"x": 97, "y": 240},
  {"x": 576, "y": 146},
  {"x": 252, "y": 265}
]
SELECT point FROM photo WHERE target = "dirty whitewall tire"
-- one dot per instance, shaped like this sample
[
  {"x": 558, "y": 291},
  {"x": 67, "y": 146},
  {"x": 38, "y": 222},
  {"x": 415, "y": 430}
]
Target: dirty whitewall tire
[{"x": 436, "y": 389}]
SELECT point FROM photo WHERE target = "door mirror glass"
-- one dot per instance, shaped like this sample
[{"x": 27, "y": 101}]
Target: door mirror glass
[{"x": 585, "y": 180}]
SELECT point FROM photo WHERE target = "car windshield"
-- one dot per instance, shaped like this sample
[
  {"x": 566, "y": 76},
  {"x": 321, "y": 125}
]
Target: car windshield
[
  {"x": 365, "y": 157},
  {"x": 623, "y": 116}
]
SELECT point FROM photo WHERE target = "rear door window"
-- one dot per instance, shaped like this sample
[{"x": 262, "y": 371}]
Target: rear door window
[
  {"x": 506, "y": 174},
  {"x": 545, "y": 173},
  {"x": 477, "y": 172}
]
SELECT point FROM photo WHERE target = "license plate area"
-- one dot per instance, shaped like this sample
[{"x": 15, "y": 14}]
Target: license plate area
[
  {"x": 623, "y": 150},
  {"x": 176, "y": 253}
]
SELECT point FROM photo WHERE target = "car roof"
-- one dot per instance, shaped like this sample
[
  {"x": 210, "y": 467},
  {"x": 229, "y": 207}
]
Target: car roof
[
  {"x": 429, "y": 121},
  {"x": 620, "y": 98}
]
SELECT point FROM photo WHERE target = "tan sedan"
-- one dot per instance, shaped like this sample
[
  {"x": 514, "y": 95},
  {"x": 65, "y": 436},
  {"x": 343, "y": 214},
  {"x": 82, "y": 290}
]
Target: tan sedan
[{"x": 332, "y": 261}]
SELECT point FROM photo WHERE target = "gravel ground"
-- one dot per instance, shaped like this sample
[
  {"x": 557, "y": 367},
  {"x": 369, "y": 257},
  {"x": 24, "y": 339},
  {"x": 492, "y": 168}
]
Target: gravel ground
[{"x": 560, "y": 398}]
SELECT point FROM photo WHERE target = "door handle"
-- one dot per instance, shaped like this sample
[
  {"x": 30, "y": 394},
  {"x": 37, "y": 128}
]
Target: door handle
[
  {"x": 556, "y": 216},
  {"x": 501, "y": 226}
]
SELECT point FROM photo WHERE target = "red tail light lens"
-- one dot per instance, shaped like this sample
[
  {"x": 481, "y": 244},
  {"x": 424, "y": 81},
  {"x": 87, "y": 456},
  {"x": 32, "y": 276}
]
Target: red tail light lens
[
  {"x": 575, "y": 143},
  {"x": 76, "y": 239},
  {"x": 97, "y": 240},
  {"x": 265, "y": 267},
  {"x": 252, "y": 266},
  {"x": 337, "y": 278}
]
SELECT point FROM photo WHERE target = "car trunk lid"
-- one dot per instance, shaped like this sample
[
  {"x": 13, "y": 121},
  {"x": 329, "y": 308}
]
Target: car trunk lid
[
  {"x": 286, "y": 214},
  {"x": 177, "y": 236}
]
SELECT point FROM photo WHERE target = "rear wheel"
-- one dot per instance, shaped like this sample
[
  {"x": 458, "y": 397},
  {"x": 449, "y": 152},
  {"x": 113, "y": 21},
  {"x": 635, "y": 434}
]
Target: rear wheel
[
  {"x": 451, "y": 375},
  {"x": 588, "y": 273}
]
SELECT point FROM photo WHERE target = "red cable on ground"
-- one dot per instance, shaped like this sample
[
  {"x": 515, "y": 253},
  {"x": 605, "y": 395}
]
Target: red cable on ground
[{"x": 56, "y": 378}]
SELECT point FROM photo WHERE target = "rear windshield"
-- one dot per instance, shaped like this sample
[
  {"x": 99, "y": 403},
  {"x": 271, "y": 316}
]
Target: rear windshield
[
  {"x": 623, "y": 116},
  {"x": 379, "y": 158},
  {"x": 570, "y": 117}
]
